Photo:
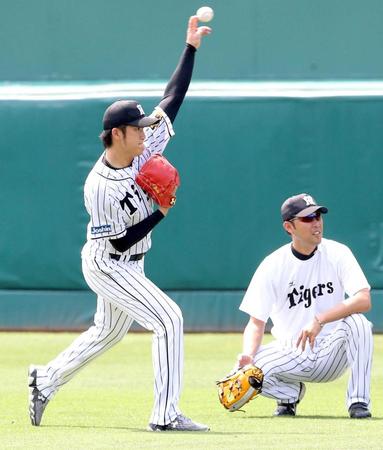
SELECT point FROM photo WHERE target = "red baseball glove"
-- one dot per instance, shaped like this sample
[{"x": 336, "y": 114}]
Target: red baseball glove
[{"x": 160, "y": 180}]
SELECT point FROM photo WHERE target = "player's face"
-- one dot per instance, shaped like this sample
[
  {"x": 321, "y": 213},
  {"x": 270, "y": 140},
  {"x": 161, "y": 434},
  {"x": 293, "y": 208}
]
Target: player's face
[
  {"x": 133, "y": 141},
  {"x": 306, "y": 232}
]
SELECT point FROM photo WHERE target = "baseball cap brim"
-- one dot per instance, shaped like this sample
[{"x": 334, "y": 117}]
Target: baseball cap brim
[
  {"x": 312, "y": 209},
  {"x": 145, "y": 121}
]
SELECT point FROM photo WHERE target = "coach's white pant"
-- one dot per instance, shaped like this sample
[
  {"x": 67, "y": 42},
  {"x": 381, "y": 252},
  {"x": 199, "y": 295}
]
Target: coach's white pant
[
  {"x": 124, "y": 295},
  {"x": 349, "y": 346}
]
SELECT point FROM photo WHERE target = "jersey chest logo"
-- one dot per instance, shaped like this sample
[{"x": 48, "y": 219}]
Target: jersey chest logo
[
  {"x": 127, "y": 200},
  {"x": 306, "y": 295}
]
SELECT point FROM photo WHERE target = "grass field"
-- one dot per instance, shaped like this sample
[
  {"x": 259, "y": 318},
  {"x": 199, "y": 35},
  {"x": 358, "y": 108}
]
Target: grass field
[{"x": 108, "y": 404}]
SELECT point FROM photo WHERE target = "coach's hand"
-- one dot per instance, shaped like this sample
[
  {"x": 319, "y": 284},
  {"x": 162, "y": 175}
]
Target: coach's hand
[
  {"x": 309, "y": 333},
  {"x": 243, "y": 360},
  {"x": 194, "y": 32}
]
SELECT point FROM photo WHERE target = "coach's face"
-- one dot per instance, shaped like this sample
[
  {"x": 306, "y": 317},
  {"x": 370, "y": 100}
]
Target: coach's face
[{"x": 306, "y": 232}]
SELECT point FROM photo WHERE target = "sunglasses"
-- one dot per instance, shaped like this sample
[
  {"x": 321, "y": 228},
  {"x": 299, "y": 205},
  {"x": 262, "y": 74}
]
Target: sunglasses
[{"x": 309, "y": 218}]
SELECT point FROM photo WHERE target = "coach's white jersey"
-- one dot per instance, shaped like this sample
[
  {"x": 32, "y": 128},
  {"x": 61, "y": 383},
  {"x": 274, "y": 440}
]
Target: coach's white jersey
[
  {"x": 115, "y": 202},
  {"x": 292, "y": 291}
]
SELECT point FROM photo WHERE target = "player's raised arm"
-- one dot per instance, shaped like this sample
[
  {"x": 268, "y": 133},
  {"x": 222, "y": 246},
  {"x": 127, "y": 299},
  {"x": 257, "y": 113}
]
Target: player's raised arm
[
  {"x": 179, "y": 82},
  {"x": 195, "y": 33}
]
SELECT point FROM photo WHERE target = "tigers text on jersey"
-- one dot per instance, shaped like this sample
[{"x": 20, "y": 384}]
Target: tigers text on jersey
[
  {"x": 292, "y": 291},
  {"x": 115, "y": 202}
]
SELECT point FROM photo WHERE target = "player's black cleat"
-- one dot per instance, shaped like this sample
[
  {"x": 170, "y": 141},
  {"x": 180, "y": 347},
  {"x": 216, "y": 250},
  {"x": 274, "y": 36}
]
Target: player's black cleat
[
  {"x": 286, "y": 409},
  {"x": 180, "y": 423},
  {"x": 37, "y": 401},
  {"x": 290, "y": 409},
  {"x": 359, "y": 410}
]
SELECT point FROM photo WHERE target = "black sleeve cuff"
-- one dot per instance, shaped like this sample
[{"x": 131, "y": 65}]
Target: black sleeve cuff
[{"x": 136, "y": 232}]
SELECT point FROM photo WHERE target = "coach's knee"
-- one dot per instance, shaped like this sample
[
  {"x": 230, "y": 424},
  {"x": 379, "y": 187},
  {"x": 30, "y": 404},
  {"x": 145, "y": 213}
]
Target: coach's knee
[{"x": 359, "y": 324}]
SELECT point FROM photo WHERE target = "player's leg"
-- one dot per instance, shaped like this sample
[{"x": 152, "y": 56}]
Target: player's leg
[
  {"x": 324, "y": 363},
  {"x": 110, "y": 326},
  {"x": 359, "y": 355},
  {"x": 287, "y": 368},
  {"x": 167, "y": 353},
  {"x": 128, "y": 288},
  {"x": 350, "y": 345},
  {"x": 276, "y": 361}
]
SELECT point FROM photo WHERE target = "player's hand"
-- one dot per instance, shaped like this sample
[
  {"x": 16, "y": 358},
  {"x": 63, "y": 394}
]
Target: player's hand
[
  {"x": 194, "y": 32},
  {"x": 309, "y": 333},
  {"x": 164, "y": 210}
]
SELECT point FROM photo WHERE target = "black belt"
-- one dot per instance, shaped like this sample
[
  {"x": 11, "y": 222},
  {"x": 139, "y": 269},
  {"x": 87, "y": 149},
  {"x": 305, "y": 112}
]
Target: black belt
[{"x": 136, "y": 257}]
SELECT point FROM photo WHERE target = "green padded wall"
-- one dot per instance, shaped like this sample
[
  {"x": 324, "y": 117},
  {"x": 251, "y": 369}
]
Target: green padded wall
[
  {"x": 74, "y": 310},
  {"x": 238, "y": 159},
  {"x": 239, "y": 154},
  {"x": 48, "y": 40}
]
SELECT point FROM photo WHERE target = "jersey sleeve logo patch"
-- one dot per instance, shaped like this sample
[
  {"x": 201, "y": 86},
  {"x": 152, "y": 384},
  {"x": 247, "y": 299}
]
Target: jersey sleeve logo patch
[{"x": 101, "y": 229}]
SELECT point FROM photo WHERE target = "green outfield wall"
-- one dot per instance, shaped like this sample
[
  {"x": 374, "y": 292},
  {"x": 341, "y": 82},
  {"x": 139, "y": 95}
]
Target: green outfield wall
[
  {"x": 49, "y": 40},
  {"x": 203, "y": 311},
  {"x": 286, "y": 97},
  {"x": 238, "y": 159},
  {"x": 239, "y": 155}
]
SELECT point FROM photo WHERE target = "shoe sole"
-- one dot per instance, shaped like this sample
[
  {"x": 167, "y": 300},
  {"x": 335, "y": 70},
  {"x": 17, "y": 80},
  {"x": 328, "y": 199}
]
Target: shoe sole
[
  {"x": 275, "y": 414},
  {"x": 167, "y": 430},
  {"x": 31, "y": 386},
  {"x": 302, "y": 393},
  {"x": 170, "y": 430}
]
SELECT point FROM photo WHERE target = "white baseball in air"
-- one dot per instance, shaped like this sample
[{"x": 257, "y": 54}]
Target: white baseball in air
[{"x": 205, "y": 14}]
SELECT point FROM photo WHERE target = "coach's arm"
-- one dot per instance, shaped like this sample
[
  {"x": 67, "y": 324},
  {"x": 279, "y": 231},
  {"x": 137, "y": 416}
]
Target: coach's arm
[
  {"x": 252, "y": 339},
  {"x": 358, "y": 303}
]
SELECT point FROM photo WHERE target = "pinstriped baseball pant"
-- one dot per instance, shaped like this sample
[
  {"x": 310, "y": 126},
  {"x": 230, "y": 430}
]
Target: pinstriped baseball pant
[
  {"x": 124, "y": 295},
  {"x": 349, "y": 346}
]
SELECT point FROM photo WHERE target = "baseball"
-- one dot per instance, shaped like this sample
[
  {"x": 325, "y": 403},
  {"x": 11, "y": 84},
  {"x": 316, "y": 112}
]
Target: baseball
[{"x": 205, "y": 14}]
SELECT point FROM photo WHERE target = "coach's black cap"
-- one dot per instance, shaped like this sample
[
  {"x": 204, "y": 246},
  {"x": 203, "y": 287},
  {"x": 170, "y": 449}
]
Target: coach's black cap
[
  {"x": 300, "y": 205},
  {"x": 126, "y": 112}
]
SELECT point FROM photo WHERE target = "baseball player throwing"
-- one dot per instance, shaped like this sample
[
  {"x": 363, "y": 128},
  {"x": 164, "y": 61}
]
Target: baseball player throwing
[
  {"x": 118, "y": 238},
  {"x": 319, "y": 333}
]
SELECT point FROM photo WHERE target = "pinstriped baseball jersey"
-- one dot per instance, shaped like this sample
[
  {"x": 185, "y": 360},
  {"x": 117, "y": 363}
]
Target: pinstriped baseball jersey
[
  {"x": 121, "y": 212},
  {"x": 115, "y": 202}
]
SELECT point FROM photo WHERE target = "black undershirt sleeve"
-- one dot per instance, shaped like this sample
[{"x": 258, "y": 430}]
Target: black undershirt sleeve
[
  {"x": 136, "y": 232},
  {"x": 171, "y": 102},
  {"x": 179, "y": 83}
]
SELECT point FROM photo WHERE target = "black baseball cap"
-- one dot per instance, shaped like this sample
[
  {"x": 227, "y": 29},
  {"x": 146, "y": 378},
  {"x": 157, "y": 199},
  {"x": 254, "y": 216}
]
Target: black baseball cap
[
  {"x": 300, "y": 205},
  {"x": 126, "y": 112}
]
